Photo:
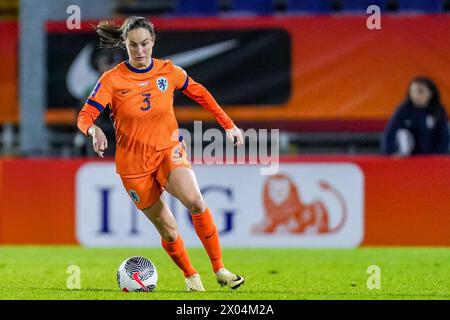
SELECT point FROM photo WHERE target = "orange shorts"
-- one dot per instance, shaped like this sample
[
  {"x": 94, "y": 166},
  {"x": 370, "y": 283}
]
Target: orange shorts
[{"x": 147, "y": 189}]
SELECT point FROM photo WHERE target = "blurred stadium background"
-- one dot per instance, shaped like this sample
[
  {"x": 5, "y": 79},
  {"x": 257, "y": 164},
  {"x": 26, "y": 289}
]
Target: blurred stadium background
[{"x": 310, "y": 68}]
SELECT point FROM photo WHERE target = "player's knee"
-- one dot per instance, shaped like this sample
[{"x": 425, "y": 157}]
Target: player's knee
[
  {"x": 196, "y": 205},
  {"x": 170, "y": 235}
]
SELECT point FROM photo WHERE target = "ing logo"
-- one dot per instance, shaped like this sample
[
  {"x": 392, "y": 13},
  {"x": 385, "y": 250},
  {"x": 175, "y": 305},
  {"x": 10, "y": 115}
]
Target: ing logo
[{"x": 284, "y": 207}]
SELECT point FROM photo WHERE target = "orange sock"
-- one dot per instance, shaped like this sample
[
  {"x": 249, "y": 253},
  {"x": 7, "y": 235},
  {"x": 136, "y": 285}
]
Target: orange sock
[
  {"x": 178, "y": 253},
  {"x": 207, "y": 232}
]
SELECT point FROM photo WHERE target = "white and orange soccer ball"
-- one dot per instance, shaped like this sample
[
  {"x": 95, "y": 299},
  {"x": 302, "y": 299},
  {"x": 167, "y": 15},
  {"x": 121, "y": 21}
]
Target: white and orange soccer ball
[{"x": 137, "y": 274}]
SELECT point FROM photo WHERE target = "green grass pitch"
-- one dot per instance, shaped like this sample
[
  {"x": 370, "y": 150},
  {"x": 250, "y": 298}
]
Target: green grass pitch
[{"x": 39, "y": 272}]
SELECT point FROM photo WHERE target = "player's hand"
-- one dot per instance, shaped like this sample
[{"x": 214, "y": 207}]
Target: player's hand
[
  {"x": 99, "y": 141},
  {"x": 183, "y": 143},
  {"x": 235, "y": 132}
]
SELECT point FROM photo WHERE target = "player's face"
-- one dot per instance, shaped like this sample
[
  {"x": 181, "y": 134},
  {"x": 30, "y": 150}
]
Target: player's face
[
  {"x": 139, "y": 43},
  {"x": 420, "y": 95}
]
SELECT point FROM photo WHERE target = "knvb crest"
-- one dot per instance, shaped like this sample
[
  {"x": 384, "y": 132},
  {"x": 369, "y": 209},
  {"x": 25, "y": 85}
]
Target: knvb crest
[
  {"x": 134, "y": 196},
  {"x": 162, "y": 83}
]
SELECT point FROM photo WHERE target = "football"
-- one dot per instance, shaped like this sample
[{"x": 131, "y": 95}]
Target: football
[{"x": 137, "y": 274}]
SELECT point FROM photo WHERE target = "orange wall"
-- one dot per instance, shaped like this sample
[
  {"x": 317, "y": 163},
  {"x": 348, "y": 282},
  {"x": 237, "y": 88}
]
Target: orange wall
[
  {"x": 407, "y": 201},
  {"x": 37, "y": 201}
]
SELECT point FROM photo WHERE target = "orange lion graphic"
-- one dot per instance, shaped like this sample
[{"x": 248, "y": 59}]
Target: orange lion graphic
[{"x": 283, "y": 206}]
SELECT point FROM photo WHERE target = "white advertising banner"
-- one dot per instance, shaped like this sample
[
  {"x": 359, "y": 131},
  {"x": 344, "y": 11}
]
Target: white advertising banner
[{"x": 303, "y": 205}]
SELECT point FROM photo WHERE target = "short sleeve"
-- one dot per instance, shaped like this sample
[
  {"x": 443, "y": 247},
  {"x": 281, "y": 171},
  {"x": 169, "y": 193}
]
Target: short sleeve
[{"x": 181, "y": 78}]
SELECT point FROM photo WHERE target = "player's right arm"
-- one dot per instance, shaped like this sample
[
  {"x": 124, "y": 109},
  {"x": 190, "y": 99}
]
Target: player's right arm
[{"x": 94, "y": 106}]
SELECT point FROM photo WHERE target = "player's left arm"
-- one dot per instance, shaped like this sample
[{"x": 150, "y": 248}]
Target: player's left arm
[{"x": 202, "y": 96}]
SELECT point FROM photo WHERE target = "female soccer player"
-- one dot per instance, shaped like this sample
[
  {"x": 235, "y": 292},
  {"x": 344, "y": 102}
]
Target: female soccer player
[{"x": 149, "y": 158}]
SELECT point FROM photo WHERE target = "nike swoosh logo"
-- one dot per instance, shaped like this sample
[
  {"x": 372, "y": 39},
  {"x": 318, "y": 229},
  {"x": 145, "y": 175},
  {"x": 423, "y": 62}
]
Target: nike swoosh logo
[
  {"x": 136, "y": 278},
  {"x": 80, "y": 73},
  {"x": 189, "y": 58},
  {"x": 126, "y": 91}
]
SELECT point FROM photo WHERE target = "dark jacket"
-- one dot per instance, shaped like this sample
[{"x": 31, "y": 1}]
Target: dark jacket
[{"x": 430, "y": 131}]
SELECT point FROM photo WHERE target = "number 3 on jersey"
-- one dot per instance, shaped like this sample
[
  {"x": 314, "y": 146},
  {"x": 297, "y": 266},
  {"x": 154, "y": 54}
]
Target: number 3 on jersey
[{"x": 147, "y": 101}]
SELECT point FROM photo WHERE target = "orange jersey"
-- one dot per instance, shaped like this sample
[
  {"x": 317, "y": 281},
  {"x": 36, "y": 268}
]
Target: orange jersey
[{"x": 141, "y": 102}]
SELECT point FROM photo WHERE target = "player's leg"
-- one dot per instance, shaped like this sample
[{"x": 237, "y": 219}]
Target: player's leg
[
  {"x": 182, "y": 184},
  {"x": 146, "y": 194},
  {"x": 164, "y": 221}
]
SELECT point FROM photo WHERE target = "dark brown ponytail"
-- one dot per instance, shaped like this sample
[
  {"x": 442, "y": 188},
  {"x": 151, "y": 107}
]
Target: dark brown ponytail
[{"x": 112, "y": 36}]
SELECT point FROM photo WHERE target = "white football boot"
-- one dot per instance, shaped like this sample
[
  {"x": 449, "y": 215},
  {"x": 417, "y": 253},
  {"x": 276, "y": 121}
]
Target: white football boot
[
  {"x": 194, "y": 283},
  {"x": 226, "y": 278}
]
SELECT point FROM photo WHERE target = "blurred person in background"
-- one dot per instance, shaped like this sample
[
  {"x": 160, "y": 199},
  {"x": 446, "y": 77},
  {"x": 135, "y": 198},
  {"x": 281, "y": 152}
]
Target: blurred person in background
[
  {"x": 101, "y": 61},
  {"x": 420, "y": 123}
]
